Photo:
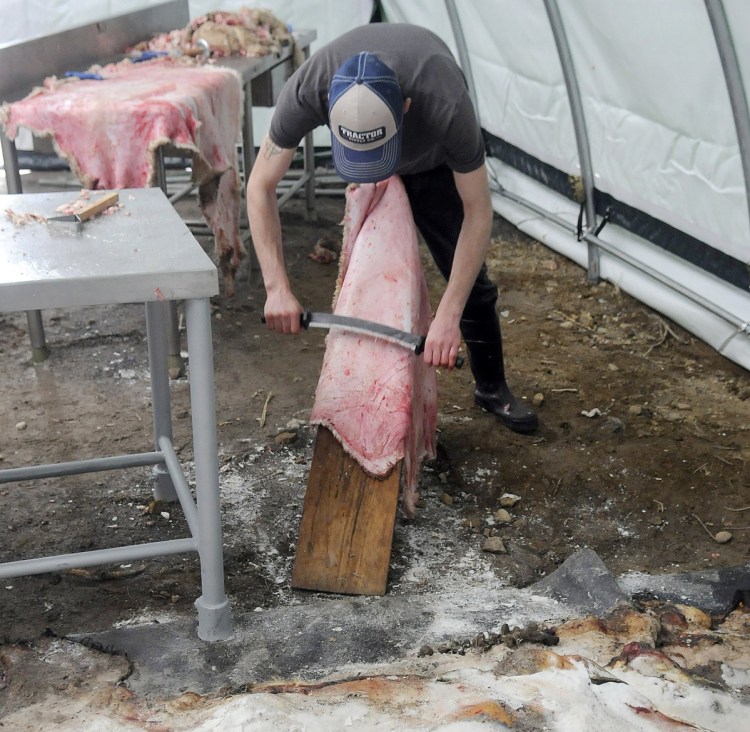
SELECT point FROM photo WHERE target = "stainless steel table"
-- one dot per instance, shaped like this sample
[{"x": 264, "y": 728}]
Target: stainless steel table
[{"x": 141, "y": 253}]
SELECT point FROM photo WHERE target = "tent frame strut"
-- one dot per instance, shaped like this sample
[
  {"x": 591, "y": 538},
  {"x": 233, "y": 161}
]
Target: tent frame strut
[
  {"x": 581, "y": 133},
  {"x": 735, "y": 87},
  {"x": 463, "y": 52}
]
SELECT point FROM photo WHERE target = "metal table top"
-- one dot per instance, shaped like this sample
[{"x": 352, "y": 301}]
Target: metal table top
[
  {"x": 251, "y": 67},
  {"x": 139, "y": 253}
]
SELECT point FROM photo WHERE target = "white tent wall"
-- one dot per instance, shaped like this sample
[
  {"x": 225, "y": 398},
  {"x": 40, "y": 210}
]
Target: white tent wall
[
  {"x": 660, "y": 131},
  {"x": 25, "y": 19}
]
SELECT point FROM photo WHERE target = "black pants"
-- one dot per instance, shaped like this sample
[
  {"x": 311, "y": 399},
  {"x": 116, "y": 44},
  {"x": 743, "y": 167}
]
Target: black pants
[{"x": 438, "y": 213}]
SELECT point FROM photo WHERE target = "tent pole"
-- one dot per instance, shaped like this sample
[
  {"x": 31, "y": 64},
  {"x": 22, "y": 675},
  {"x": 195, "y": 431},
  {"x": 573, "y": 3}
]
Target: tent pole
[
  {"x": 579, "y": 126},
  {"x": 463, "y": 53},
  {"x": 733, "y": 76}
]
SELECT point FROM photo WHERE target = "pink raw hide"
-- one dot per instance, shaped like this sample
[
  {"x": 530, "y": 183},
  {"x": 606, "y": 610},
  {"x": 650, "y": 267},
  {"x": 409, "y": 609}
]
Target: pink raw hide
[{"x": 379, "y": 399}]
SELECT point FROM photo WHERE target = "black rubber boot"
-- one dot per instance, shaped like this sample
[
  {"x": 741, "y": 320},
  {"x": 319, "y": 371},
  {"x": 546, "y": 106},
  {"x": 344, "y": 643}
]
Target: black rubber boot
[
  {"x": 492, "y": 393},
  {"x": 512, "y": 413}
]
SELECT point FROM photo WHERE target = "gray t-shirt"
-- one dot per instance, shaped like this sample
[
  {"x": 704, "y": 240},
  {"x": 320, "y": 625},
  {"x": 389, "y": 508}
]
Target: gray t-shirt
[{"x": 440, "y": 126}]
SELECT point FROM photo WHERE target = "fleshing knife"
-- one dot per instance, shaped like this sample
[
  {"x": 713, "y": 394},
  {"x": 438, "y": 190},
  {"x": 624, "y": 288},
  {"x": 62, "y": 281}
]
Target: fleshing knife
[
  {"x": 414, "y": 343},
  {"x": 74, "y": 222}
]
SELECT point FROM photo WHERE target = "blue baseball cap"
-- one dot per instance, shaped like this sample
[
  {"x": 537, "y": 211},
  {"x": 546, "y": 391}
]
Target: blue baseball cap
[{"x": 365, "y": 111}]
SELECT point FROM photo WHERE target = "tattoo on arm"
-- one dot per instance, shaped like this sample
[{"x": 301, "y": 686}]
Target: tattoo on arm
[{"x": 271, "y": 149}]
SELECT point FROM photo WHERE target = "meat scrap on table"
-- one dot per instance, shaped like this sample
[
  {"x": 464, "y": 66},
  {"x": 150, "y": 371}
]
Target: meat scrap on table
[
  {"x": 69, "y": 208},
  {"x": 245, "y": 32},
  {"x": 19, "y": 219}
]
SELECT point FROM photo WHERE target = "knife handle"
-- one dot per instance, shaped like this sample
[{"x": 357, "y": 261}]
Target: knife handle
[
  {"x": 96, "y": 206},
  {"x": 420, "y": 349},
  {"x": 304, "y": 319}
]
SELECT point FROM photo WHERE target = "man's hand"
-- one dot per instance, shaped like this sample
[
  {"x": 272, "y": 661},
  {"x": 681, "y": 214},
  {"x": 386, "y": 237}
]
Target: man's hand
[
  {"x": 282, "y": 312},
  {"x": 443, "y": 340}
]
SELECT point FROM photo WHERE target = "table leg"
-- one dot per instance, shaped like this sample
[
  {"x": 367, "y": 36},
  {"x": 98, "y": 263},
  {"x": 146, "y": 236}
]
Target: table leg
[
  {"x": 10, "y": 162},
  {"x": 175, "y": 362},
  {"x": 248, "y": 141},
  {"x": 309, "y": 158},
  {"x": 309, "y": 162},
  {"x": 214, "y": 621},
  {"x": 248, "y": 160},
  {"x": 156, "y": 334},
  {"x": 174, "y": 359},
  {"x": 39, "y": 350},
  {"x": 160, "y": 170}
]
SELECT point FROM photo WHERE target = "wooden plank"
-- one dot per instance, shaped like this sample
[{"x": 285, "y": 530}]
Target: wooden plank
[{"x": 346, "y": 531}]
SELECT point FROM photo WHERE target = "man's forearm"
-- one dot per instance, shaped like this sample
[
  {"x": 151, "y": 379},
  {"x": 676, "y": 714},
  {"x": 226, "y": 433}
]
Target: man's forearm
[
  {"x": 265, "y": 230},
  {"x": 281, "y": 308},
  {"x": 471, "y": 251},
  {"x": 473, "y": 241},
  {"x": 263, "y": 213}
]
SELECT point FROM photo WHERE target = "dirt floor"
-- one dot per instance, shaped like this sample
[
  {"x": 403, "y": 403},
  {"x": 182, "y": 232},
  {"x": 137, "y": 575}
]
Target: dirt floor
[{"x": 643, "y": 453}]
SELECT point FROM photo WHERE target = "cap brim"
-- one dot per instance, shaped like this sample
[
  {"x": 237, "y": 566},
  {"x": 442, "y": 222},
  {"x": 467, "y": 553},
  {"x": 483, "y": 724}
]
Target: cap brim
[{"x": 367, "y": 166}]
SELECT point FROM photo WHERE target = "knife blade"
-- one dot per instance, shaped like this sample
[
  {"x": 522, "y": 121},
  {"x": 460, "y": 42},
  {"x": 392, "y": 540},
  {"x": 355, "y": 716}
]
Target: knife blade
[
  {"x": 410, "y": 341},
  {"x": 415, "y": 343}
]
